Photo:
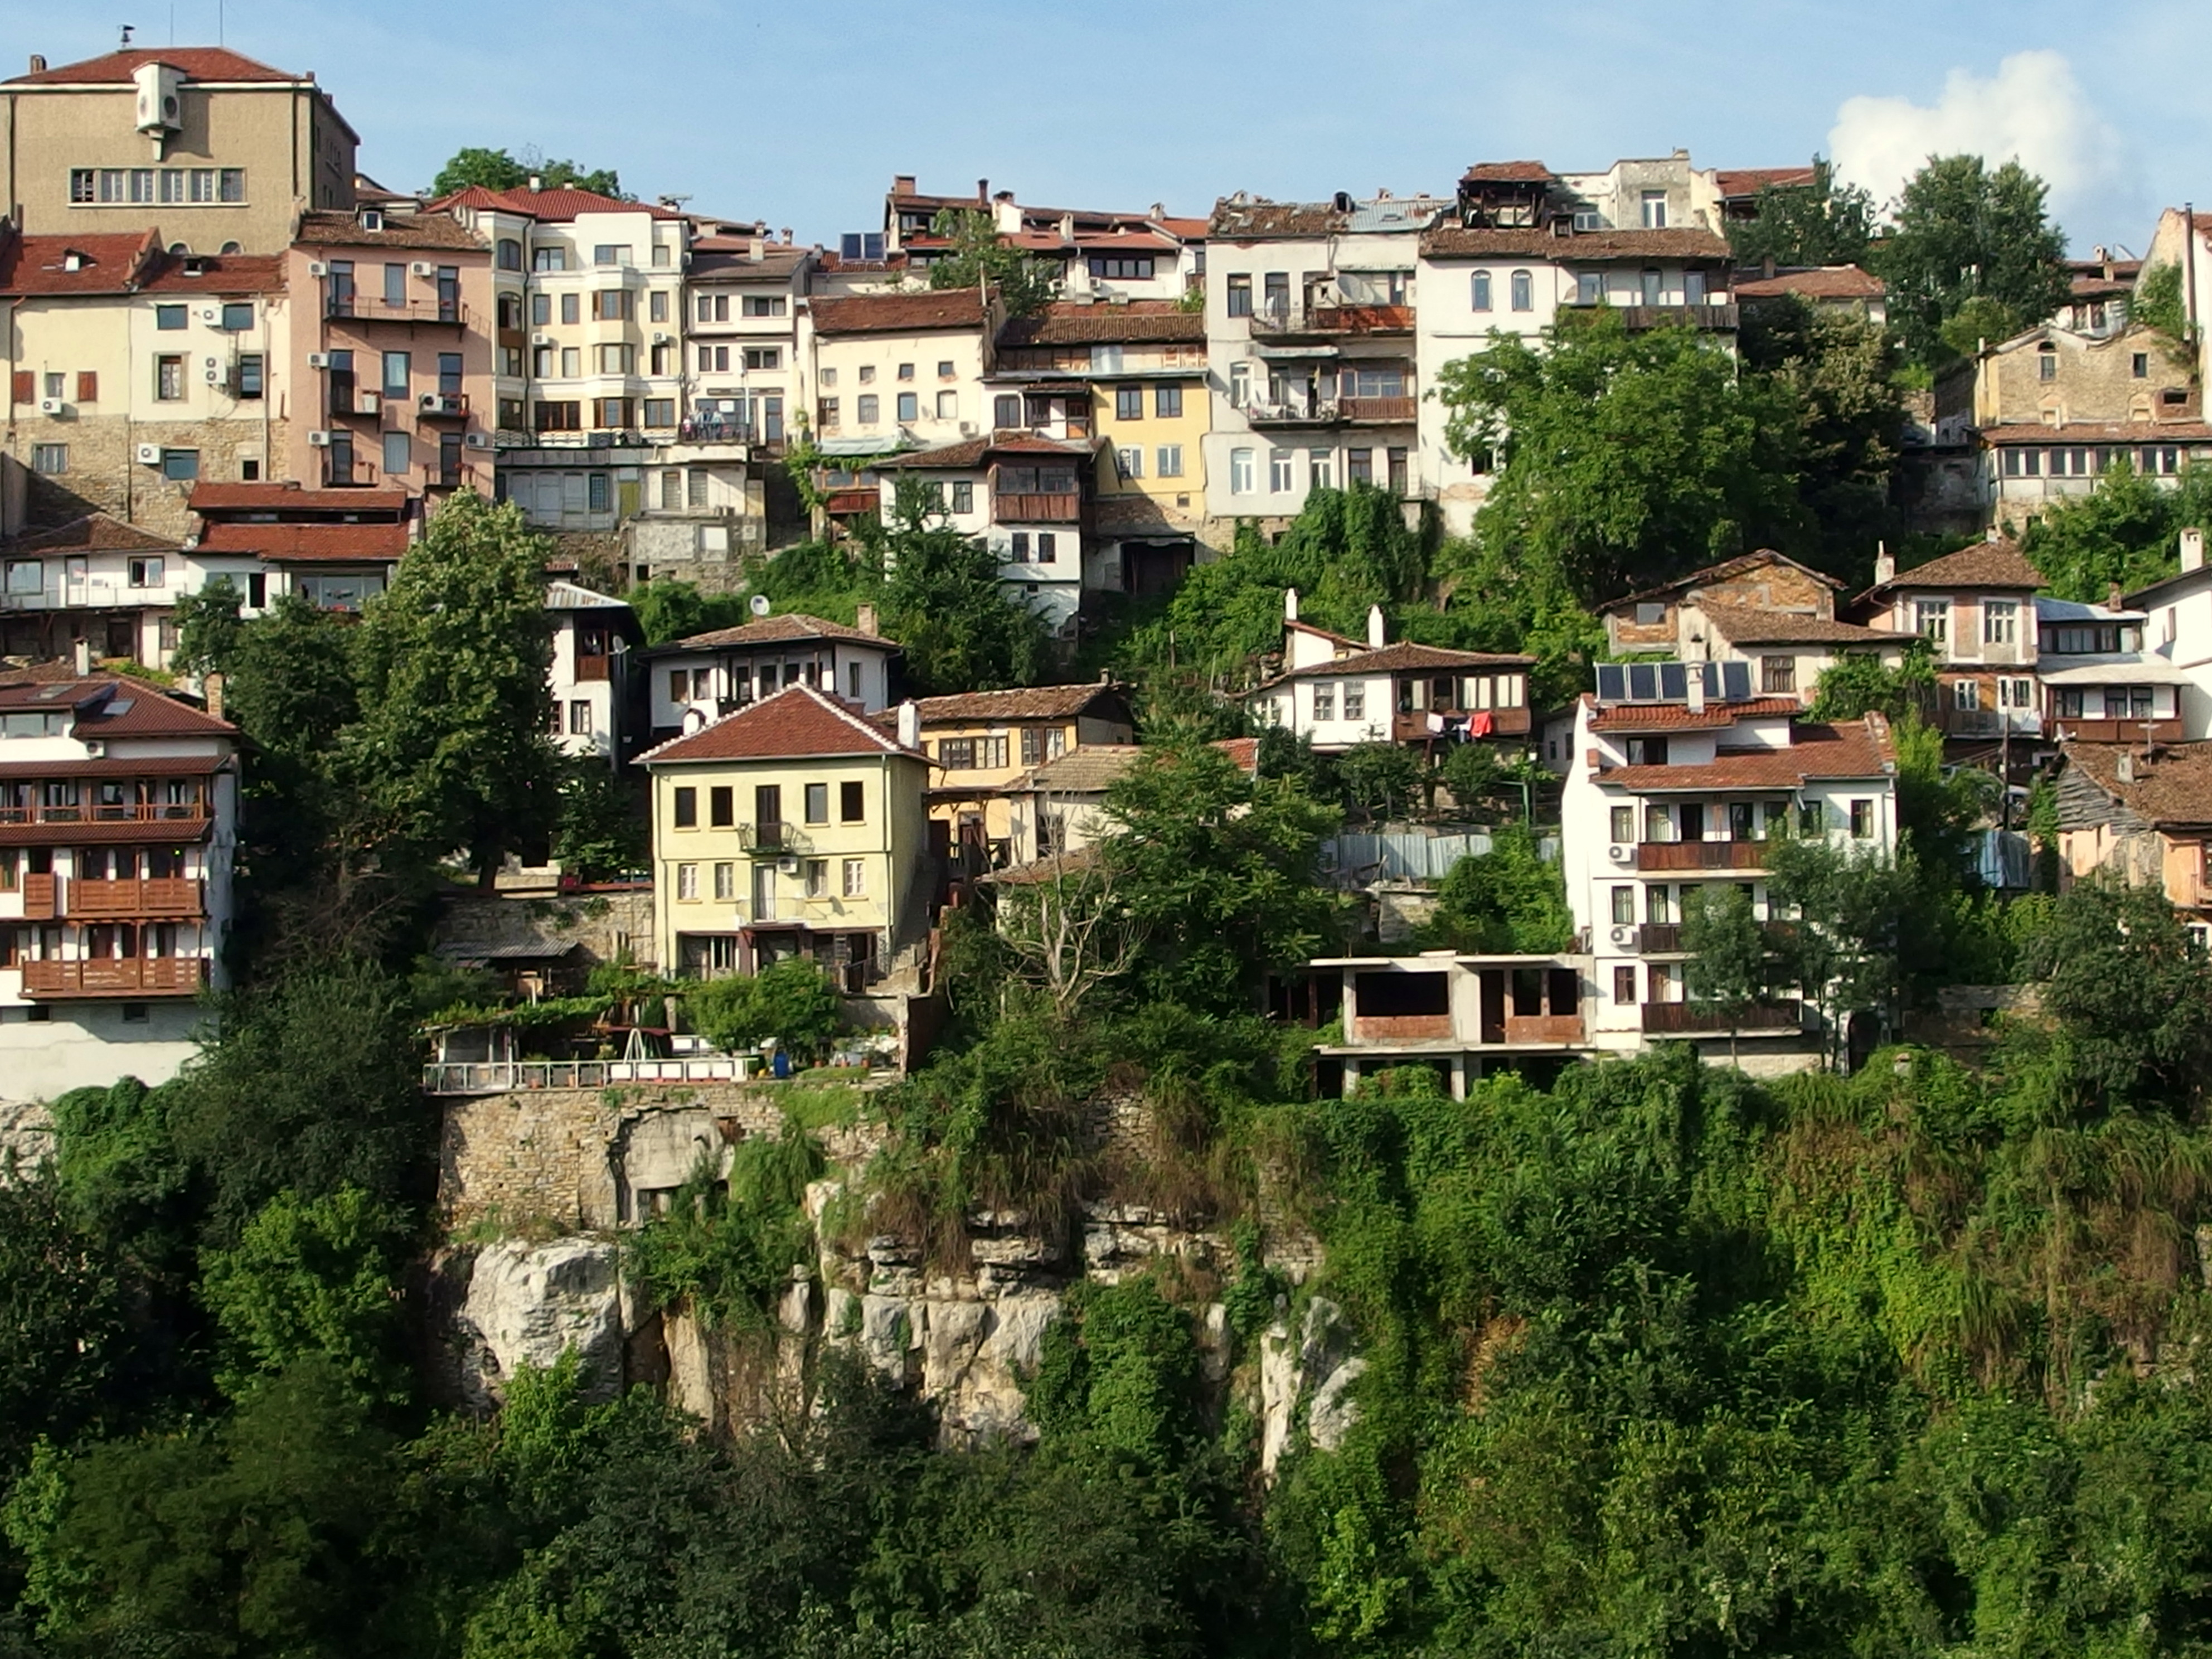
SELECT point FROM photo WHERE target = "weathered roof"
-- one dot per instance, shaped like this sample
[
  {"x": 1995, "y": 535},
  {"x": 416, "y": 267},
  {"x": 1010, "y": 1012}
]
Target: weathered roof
[
  {"x": 796, "y": 723},
  {"x": 1507, "y": 172},
  {"x": 1857, "y": 749},
  {"x": 2174, "y": 786},
  {"x": 574, "y": 596},
  {"x": 555, "y": 206},
  {"x": 1736, "y": 182},
  {"x": 1259, "y": 217},
  {"x": 965, "y": 456},
  {"x": 420, "y": 230},
  {"x": 129, "y": 707},
  {"x": 108, "y": 262},
  {"x": 1140, "y": 321},
  {"x": 1680, "y": 717},
  {"x": 729, "y": 259},
  {"x": 1031, "y": 702},
  {"x": 1813, "y": 282},
  {"x": 2037, "y": 434},
  {"x": 1404, "y": 657},
  {"x": 1724, "y": 571},
  {"x": 208, "y": 496},
  {"x": 1582, "y": 246},
  {"x": 1745, "y": 626},
  {"x": 898, "y": 314},
  {"x": 117, "y": 68},
  {"x": 308, "y": 543},
  {"x": 216, "y": 273},
  {"x": 1986, "y": 564},
  {"x": 96, "y": 532},
  {"x": 788, "y": 629}
]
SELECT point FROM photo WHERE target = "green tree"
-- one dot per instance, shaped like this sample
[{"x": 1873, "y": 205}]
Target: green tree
[
  {"x": 980, "y": 255},
  {"x": 1510, "y": 900},
  {"x": 1966, "y": 232},
  {"x": 672, "y": 610},
  {"x": 1380, "y": 780},
  {"x": 2125, "y": 532},
  {"x": 207, "y": 626},
  {"x": 1628, "y": 458},
  {"x": 1820, "y": 223},
  {"x": 2158, "y": 303},
  {"x": 494, "y": 169},
  {"x": 450, "y": 750},
  {"x": 2131, "y": 988},
  {"x": 790, "y": 1002},
  {"x": 63, "y": 1325},
  {"x": 958, "y": 626},
  {"x": 602, "y": 830},
  {"x": 1840, "y": 947},
  {"x": 313, "y": 1277},
  {"x": 1859, "y": 683},
  {"x": 1728, "y": 951}
]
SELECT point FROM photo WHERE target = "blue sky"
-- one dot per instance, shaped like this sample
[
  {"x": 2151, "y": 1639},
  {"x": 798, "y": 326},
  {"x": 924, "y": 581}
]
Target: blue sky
[{"x": 799, "y": 114}]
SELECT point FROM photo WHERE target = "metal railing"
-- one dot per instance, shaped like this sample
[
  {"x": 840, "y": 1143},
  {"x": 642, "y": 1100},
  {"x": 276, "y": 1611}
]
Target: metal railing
[
  {"x": 362, "y": 308},
  {"x": 499, "y": 1077}
]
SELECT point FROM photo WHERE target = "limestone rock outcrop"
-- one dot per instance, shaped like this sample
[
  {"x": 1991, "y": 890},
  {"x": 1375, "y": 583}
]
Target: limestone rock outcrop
[{"x": 528, "y": 1304}]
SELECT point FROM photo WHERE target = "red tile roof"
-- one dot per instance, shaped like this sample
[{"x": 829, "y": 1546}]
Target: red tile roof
[
  {"x": 796, "y": 723},
  {"x": 1021, "y": 702},
  {"x": 1733, "y": 182},
  {"x": 1744, "y": 625},
  {"x": 110, "y": 262},
  {"x": 1986, "y": 564},
  {"x": 226, "y": 273},
  {"x": 1855, "y": 750},
  {"x": 964, "y": 456},
  {"x": 2174, "y": 786},
  {"x": 96, "y": 532},
  {"x": 2098, "y": 431},
  {"x": 1821, "y": 282},
  {"x": 1584, "y": 247},
  {"x": 1404, "y": 657},
  {"x": 117, "y": 68},
  {"x": 1507, "y": 172},
  {"x": 308, "y": 543},
  {"x": 422, "y": 230},
  {"x": 555, "y": 206},
  {"x": 1680, "y": 717},
  {"x": 1139, "y": 321},
  {"x": 209, "y": 497},
  {"x": 778, "y": 631},
  {"x": 148, "y": 710},
  {"x": 898, "y": 314},
  {"x": 1725, "y": 570}
]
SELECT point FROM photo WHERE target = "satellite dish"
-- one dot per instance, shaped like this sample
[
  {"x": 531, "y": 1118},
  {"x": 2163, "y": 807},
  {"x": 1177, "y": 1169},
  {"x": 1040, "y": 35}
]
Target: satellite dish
[
  {"x": 694, "y": 720},
  {"x": 759, "y": 604}
]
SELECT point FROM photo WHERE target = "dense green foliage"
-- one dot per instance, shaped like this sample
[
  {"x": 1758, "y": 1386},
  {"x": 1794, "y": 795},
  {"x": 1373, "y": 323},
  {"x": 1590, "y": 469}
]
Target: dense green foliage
[
  {"x": 1510, "y": 899},
  {"x": 494, "y": 169},
  {"x": 1973, "y": 255},
  {"x": 2126, "y": 531},
  {"x": 1820, "y": 223},
  {"x": 980, "y": 258},
  {"x": 789, "y": 1002}
]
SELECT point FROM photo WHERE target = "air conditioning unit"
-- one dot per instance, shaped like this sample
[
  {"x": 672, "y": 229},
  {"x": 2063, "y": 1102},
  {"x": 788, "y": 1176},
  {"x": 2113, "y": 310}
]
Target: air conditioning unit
[
  {"x": 1621, "y": 853},
  {"x": 659, "y": 336},
  {"x": 317, "y": 267},
  {"x": 51, "y": 406},
  {"x": 210, "y": 314},
  {"x": 319, "y": 440},
  {"x": 94, "y": 748},
  {"x": 149, "y": 454},
  {"x": 477, "y": 441},
  {"x": 541, "y": 339},
  {"x": 786, "y": 866},
  {"x": 435, "y": 403},
  {"x": 967, "y": 428},
  {"x": 368, "y": 403},
  {"x": 319, "y": 360},
  {"x": 1624, "y": 935},
  {"x": 423, "y": 268}
]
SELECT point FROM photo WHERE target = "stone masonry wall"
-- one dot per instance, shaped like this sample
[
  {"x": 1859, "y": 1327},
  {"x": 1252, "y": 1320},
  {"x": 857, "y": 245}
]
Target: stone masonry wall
[{"x": 105, "y": 476}]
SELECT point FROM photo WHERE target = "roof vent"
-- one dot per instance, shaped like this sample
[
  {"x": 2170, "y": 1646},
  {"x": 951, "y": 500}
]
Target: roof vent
[
  {"x": 1342, "y": 200},
  {"x": 72, "y": 260},
  {"x": 2123, "y": 766},
  {"x": 37, "y": 63}
]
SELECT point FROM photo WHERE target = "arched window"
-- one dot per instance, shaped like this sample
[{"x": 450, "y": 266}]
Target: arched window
[
  {"x": 1482, "y": 290},
  {"x": 510, "y": 254},
  {"x": 1524, "y": 291}
]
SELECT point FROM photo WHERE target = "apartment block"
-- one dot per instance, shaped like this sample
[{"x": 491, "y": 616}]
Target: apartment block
[
  {"x": 1092, "y": 253},
  {"x": 218, "y": 152}
]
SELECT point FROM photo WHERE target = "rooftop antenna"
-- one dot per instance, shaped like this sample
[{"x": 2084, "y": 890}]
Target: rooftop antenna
[{"x": 128, "y": 29}]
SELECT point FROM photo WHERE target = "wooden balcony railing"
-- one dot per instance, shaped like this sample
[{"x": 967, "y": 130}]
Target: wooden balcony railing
[
  {"x": 1654, "y": 936},
  {"x": 159, "y": 896},
  {"x": 116, "y": 977},
  {"x": 1663, "y": 1019},
  {"x": 1701, "y": 855},
  {"x": 41, "y": 897},
  {"x": 93, "y": 813},
  {"x": 1393, "y": 411},
  {"x": 1037, "y": 509}
]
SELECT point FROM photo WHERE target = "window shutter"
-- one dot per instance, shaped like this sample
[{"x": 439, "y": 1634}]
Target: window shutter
[
  {"x": 87, "y": 386},
  {"x": 26, "y": 386}
]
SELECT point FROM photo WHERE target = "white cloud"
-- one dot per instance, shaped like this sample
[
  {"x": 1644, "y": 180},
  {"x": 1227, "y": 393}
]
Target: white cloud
[{"x": 2032, "y": 110}]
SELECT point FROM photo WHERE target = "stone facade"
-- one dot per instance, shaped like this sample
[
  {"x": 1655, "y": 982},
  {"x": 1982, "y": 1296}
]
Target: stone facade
[{"x": 105, "y": 476}]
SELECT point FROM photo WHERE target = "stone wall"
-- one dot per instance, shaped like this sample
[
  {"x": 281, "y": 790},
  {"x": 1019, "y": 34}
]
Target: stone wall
[
  {"x": 604, "y": 924},
  {"x": 105, "y": 475}
]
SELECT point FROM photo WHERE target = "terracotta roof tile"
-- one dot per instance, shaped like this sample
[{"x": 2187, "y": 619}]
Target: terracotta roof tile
[
  {"x": 1020, "y": 702},
  {"x": 1743, "y": 625},
  {"x": 1726, "y": 570},
  {"x": 1140, "y": 321},
  {"x": 796, "y": 723},
  {"x": 777, "y": 630},
  {"x": 1251, "y": 219},
  {"x": 555, "y": 206},
  {"x": 2098, "y": 431},
  {"x": 1091, "y": 770},
  {"x": 1507, "y": 172},
  {"x": 421, "y": 230},
  {"x": 199, "y": 64},
  {"x": 308, "y": 543},
  {"x": 1583, "y": 247},
  {"x": 1857, "y": 749},
  {"x": 2174, "y": 786},
  {"x": 1819, "y": 282},
  {"x": 898, "y": 314},
  {"x": 213, "y": 497},
  {"x": 151, "y": 711},
  {"x": 1986, "y": 564},
  {"x": 111, "y": 262},
  {"x": 1680, "y": 717},
  {"x": 96, "y": 532},
  {"x": 225, "y": 273},
  {"x": 1737, "y": 182},
  {"x": 961, "y": 457}
]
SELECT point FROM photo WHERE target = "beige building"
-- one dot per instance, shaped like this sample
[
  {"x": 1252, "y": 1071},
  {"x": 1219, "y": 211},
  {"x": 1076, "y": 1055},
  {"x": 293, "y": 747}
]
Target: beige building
[
  {"x": 984, "y": 741},
  {"x": 900, "y": 371},
  {"x": 134, "y": 372},
  {"x": 2145, "y": 814},
  {"x": 218, "y": 152}
]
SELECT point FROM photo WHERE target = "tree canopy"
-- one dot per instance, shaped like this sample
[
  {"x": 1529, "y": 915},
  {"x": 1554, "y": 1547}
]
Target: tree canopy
[
  {"x": 980, "y": 256},
  {"x": 1820, "y": 223},
  {"x": 2125, "y": 533},
  {"x": 494, "y": 169},
  {"x": 1967, "y": 235}
]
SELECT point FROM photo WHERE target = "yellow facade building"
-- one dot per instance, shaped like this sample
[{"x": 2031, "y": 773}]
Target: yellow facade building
[
  {"x": 794, "y": 827},
  {"x": 983, "y": 741}
]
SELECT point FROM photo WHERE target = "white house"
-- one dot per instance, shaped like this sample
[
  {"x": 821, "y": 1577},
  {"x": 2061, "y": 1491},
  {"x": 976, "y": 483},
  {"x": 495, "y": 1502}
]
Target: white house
[
  {"x": 693, "y": 682},
  {"x": 1028, "y": 499},
  {"x": 2177, "y": 631},
  {"x": 592, "y": 638}
]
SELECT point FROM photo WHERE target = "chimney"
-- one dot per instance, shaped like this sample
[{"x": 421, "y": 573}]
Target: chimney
[
  {"x": 1290, "y": 604},
  {"x": 2123, "y": 766},
  {"x": 1885, "y": 565},
  {"x": 1993, "y": 534},
  {"x": 902, "y": 184},
  {"x": 1375, "y": 638},
  {"x": 2112, "y": 599},
  {"x": 211, "y": 688},
  {"x": 2192, "y": 549},
  {"x": 537, "y": 181},
  {"x": 910, "y": 724},
  {"x": 37, "y": 63},
  {"x": 866, "y": 620},
  {"x": 982, "y": 190},
  {"x": 756, "y": 249},
  {"x": 84, "y": 656},
  {"x": 1695, "y": 683}
]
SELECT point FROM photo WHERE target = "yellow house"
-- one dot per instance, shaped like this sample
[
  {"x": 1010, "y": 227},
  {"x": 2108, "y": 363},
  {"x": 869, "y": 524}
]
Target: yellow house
[
  {"x": 792, "y": 827},
  {"x": 982, "y": 741},
  {"x": 1143, "y": 363}
]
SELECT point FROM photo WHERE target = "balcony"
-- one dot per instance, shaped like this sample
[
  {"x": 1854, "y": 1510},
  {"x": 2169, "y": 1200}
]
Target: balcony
[
  {"x": 1413, "y": 725},
  {"x": 357, "y": 308},
  {"x": 175, "y": 896},
  {"x": 1401, "y": 1028},
  {"x": 1330, "y": 321},
  {"x": 1543, "y": 1028},
  {"x": 41, "y": 897},
  {"x": 442, "y": 406},
  {"x": 1687, "y": 1018},
  {"x": 1038, "y": 509},
  {"x": 116, "y": 977},
  {"x": 701, "y": 430},
  {"x": 843, "y": 503},
  {"x": 1657, "y": 937},
  {"x": 2097, "y": 729},
  {"x": 1718, "y": 317},
  {"x": 1296, "y": 411},
  {"x": 137, "y": 813},
  {"x": 770, "y": 839},
  {"x": 1379, "y": 411},
  {"x": 1701, "y": 855},
  {"x": 506, "y": 1077}
]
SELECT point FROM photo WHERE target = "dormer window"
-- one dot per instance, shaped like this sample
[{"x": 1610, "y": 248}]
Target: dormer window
[
  {"x": 372, "y": 219},
  {"x": 72, "y": 260}
]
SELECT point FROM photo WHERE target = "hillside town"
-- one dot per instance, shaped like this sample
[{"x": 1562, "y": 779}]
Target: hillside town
[{"x": 620, "y": 731}]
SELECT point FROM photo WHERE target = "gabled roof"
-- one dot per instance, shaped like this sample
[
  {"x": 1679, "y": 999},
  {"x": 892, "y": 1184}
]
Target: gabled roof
[
  {"x": 1724, "y": 571},
  {"x": 1744, "y": 625},
  {"x": 1020, "y": 702},
  {"x": 555, "y": 206},
  {"x": 1404, "y": 657},
  {"x": 898, "y": 314},
  {"x": 788, "y": 629},
  {"x": 1986, "y": 564},
  {"x": 1736, "y": 182},
  {"x": 574, "y": 596},
  {"x": 1257, "y": 217},
  {"x": 418, "y": 230},
  {"x": 107, "y": 262},
  {"x": 115, "y": 706},
  {"x": 1138, "y": 322},
  {"x": 1507, "y": 172},
  {"x": 308, "y": 543},
  {"x": 1815, "y": 282},
  {"x": 1855, "y": 748},
  {"x": 796, "y": 723},
  {"x": 199, "y": 64},
  {"x": 965, "y": 456},
  {"x": 2173, "y": 787},
  {"x": 1680, "y": 717},
  {"x": 2035, "y": 434},
  {"x": 96, "y": 532},
  {"x": 209, "y": 496},
  {"x": 216, "y": 273},
  {"x": 1577, "y": 247}
]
